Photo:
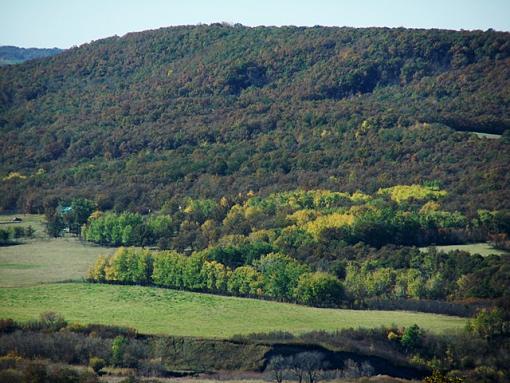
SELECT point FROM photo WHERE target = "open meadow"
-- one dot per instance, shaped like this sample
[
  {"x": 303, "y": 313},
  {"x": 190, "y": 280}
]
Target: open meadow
[
  {"x": 163, "y": 311},
  {"x": 47, "y": 260},
  {"x": 42, "y": 259}
]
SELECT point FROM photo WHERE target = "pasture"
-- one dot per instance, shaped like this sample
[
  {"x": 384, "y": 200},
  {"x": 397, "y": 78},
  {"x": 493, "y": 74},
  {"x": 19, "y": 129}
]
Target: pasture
[
  {"x": 162, "y": 311},
  {"x": 44, "y": 260}
]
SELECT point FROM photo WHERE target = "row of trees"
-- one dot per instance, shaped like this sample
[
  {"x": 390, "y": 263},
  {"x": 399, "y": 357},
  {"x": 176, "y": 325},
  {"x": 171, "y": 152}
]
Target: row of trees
[
  {"x": 274, "y": 276},
  {"x": 388, "y": 274},
  {"x": 128, "y": 229}
]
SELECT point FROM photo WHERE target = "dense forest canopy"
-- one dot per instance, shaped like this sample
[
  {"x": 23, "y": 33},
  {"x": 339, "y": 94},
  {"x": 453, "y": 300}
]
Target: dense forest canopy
[{"x": 132, "y": 122}]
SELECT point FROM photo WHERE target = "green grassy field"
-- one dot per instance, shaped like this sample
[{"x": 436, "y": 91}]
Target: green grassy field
[
  {"x": 46, "y": 260},
  {"x": 155, "y": 310},
  {"x": 484, "y": 249}
]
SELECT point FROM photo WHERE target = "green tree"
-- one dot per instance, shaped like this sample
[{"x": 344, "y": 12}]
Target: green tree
[
  {"x": 319, "y": 289},
  {"x": 97, "y": 364},
  {"x": 4, "y": 236},
  {"x": 489, "y": 323},
  {"x": 78, "y": 213},
  {"x": 411, "y": 338},
  {"x": 355, "y": 282},
  {"x": 280, "y": 275},
  {"x": 129, "y": 265},
  {"x": 55, "y": 225},
  {"x": 245, "y": 280},
  {"x": 380, "y": 282},
  {"x": 193, "y": 277},
  {"x": 169, "y": 269},
  {"x": 119, "y": 345},
  {"x": 215, "y": 276}
]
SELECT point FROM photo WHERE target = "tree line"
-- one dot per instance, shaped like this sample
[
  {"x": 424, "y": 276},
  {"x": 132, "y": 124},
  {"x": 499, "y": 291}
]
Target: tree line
[{"x": 275, "y": 276}]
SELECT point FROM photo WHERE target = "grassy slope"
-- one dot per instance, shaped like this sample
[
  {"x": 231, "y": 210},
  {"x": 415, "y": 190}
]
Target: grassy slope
[
  {"x": 484, "y": 249},
  {"x": 155, "y": 310}
]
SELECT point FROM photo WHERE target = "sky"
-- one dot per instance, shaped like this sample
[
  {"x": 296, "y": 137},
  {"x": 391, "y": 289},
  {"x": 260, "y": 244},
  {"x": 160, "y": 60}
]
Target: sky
[{"x": 65, "y": 23}]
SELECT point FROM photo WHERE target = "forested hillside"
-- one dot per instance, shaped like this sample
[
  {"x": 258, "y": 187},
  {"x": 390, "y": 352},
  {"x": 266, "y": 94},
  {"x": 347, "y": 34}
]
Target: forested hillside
[{"x": 205, "y": 111}]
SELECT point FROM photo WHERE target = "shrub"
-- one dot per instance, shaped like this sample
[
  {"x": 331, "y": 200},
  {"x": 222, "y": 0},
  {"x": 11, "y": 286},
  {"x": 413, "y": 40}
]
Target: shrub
[
  {"x": 118, "y": 349},
  {"x": 412, "y": 338},
  {"x": 438, "y": 377},
  {"x": 11, "y": 376},
  {"x": 97, "y": 364},
  {"x": 52, "y": 321}
]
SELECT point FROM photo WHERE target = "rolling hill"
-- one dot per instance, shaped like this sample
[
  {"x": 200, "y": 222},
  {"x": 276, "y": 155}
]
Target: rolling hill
[
  {"x": 212, "y": 109},
  {"x": 15, "y": 55}
]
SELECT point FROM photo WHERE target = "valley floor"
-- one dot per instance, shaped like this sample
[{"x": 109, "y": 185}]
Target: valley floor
[{"x": 28, "y": 272}]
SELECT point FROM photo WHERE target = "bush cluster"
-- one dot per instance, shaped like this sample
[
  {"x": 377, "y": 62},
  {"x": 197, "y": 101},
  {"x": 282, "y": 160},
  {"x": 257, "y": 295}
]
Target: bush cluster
[{"x": 13, "y": 233}]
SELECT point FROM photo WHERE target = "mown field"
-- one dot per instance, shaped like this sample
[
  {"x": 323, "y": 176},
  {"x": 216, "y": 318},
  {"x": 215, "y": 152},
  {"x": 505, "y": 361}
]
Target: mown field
[
  {"x": 483, "y": 248},
  {"x": 155, "y": 310}
]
